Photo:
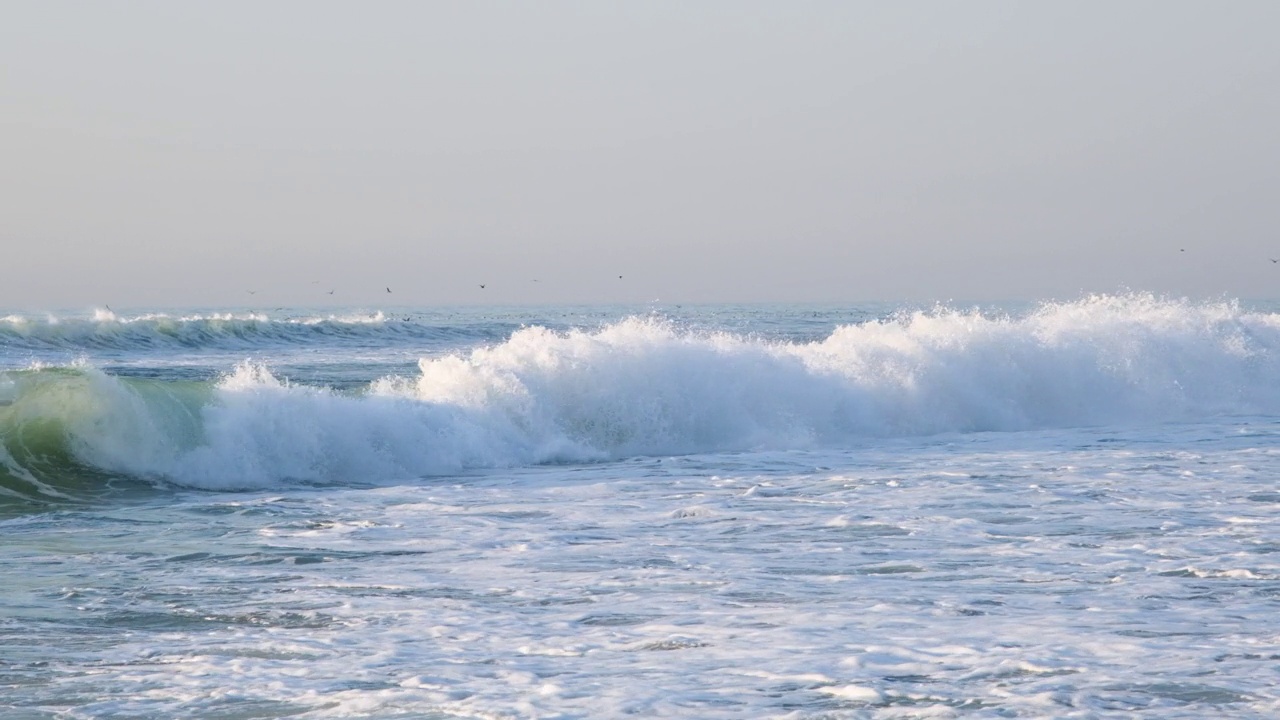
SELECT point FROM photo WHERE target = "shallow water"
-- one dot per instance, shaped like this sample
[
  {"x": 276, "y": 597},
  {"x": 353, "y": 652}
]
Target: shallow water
[{"x": 1123, "y": 568}]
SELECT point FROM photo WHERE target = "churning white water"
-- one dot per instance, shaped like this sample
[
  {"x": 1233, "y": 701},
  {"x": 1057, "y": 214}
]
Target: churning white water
[{"x": 1067, "y": 511}]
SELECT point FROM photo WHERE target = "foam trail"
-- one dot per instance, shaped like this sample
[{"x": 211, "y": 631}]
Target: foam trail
[{"x": 646, "y": 387}]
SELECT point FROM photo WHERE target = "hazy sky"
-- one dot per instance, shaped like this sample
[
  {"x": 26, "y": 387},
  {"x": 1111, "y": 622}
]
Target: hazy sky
[{"x": 182, "y": 154}]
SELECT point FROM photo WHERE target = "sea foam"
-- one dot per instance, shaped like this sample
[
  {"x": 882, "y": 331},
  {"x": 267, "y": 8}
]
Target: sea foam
[{"x": 645, "y": 386}]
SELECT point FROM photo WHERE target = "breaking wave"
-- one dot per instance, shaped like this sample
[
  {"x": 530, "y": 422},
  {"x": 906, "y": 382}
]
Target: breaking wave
[
  {"x": 105, "y": 330},
  {"x": 644, "y": 386}
]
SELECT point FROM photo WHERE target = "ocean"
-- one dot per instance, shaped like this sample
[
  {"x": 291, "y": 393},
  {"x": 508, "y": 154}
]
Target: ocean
[{"x": 1059, "y": 509}]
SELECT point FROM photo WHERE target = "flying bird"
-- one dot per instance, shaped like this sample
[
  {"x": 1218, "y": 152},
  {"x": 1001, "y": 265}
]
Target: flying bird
[
  {"x": 388, "y": 289},
  {"x": 1274, "y": 260},
  {"x": 481, "y": 287},
  {"x": 331, "y": 291}
]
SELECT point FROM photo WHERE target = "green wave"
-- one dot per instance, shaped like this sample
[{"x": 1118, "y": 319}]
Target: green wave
[{"x": 67, "y": 432}]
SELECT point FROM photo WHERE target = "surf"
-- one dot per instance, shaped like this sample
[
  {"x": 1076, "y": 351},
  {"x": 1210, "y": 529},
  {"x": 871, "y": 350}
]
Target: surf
[
  {"x": 105, "y": 330},
  {"x": 646, "y": 386}
]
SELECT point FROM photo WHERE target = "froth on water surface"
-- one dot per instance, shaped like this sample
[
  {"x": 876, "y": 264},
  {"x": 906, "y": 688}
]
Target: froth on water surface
[
  {"x": 1061, "y": 573},
  {"x": 1067, "y": 511}
]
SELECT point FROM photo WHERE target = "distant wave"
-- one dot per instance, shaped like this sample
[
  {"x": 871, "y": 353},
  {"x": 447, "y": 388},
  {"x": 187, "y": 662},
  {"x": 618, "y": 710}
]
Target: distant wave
[
  {"x": 106, "y": 330},
  {"x": 646, "y": 387}
]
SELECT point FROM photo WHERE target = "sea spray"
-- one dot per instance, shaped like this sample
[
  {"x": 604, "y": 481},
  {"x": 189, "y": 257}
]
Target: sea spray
[{"x": 647, "y": 386}]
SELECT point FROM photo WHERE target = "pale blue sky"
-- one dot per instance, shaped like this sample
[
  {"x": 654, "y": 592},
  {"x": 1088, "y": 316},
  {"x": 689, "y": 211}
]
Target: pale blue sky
[{"x": 182, "y": 154}]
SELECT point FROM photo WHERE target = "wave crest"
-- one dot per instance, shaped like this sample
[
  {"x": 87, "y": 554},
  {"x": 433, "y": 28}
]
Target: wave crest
[
  {"x": 644, "y": 386},
  {"x": 106, "y": 330}
]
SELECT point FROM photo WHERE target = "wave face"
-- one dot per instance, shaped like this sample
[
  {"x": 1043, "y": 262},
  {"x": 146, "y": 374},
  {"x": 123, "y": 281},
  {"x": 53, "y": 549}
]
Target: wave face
[{"x": 644, "y": 386}]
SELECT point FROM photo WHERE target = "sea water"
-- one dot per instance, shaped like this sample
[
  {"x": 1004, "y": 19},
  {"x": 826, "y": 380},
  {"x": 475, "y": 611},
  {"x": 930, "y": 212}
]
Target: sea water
[{"x": 866, "y": 511}]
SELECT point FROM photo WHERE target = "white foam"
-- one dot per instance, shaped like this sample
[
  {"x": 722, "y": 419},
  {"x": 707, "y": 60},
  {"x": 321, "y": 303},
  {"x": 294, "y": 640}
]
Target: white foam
[
  {"x": 588, "y": 592},
  {"x": 645, "y": 387}
]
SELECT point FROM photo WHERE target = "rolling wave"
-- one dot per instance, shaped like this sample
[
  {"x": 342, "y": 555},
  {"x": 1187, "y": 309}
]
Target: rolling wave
[
  {"x": 106, "y": 330},
  {"x": 643, "y": 386}
]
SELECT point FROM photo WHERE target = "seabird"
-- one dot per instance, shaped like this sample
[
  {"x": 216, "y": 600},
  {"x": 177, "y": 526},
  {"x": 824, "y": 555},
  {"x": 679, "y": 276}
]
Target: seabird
[
  {"x": 388, "y": 289},
  {"x": 1274, "y": 260},
  {"x": 331, "y": 291},
  {"x": 481, "y": 287}
]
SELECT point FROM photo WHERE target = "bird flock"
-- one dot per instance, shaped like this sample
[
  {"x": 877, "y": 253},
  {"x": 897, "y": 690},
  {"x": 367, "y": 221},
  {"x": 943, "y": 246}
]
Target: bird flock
[
  {"x": 484, "y": 286},
  {"x": 388, "y": 288}
]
